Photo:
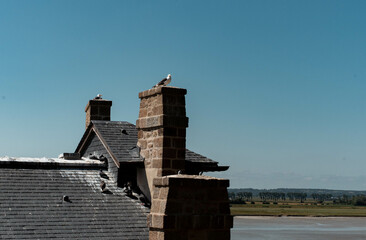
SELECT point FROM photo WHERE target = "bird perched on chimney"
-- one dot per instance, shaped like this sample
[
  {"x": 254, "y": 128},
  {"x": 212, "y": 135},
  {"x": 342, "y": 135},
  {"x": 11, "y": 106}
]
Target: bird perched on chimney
[
  {"x": 164, "y": 82},
  {"x": 99, "y": 96}
]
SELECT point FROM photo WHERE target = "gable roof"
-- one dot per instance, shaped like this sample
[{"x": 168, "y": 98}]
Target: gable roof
[
  {"x": 32, "y": 206},
  {"x": 120, "y": 140}
]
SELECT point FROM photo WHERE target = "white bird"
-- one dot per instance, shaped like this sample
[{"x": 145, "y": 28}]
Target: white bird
[
  {"x": 99, "y": 96},
  {"x": 164, "y": 82}
]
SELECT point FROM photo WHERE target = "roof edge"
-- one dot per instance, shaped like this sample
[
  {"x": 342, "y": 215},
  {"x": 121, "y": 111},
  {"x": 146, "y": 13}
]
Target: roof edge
[{"x": 50, "y": 163}]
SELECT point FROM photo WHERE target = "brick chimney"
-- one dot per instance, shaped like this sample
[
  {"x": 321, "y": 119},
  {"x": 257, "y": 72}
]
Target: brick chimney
[
  {"x": 98, "y": 109},
  {"x": 183, "y": 207},
  {"x": 190, "y": 207},
  {"x": 161, "y": 128}
]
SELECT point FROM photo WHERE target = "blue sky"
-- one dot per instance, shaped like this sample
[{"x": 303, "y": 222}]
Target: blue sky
[{"x": 276, "y": 89}]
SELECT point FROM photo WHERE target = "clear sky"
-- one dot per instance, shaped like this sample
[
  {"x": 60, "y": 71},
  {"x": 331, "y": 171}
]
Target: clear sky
[{"x": 276, "y": 89}]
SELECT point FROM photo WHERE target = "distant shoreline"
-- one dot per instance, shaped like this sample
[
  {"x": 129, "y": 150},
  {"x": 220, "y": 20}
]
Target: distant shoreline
[
  {"x": 286, "y": 216},
  {"x": 297, "y": 210}
]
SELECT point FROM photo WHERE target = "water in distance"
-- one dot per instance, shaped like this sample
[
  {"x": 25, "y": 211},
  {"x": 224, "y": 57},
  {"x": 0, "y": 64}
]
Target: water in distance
[{"x": 299, "y": 228}]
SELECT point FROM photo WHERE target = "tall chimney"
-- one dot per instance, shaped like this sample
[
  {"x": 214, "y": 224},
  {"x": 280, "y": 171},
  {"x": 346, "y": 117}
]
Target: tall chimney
[
  {"x": 161, "y": 128},
  {"x": 182, "y": 206},
  {"x": 98, "y": 109}
]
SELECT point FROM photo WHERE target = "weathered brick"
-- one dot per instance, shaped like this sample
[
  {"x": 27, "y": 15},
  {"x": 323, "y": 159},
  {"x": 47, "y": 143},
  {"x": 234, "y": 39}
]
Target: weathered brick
[
  {"x": 178, "y": 142},
  {"x": 173, "y": 91},
  {"x": 217, "y": 221},
  {"x": 181, "y": 153},
  {"x": 180, "y": 100},
  {"x": 158, "y": 181},
  {"x": 176, "y": 121},
  {"x": 218, "y": 194},
  {"x": 167, "y": 142},
  {"x": 143, "y": 113},
  {"x": 181, "y": 132},
  {"x": 155, "y": 206},
  {"x": 197, "y": 235},
  {"x": 157, "y": 110},
  {"x": 201, "y": 221},
  {"x": 178, "y": 164},
  {"x": 166, "y": 163},
  {"x": 163, "y": 193},
  {"x": 161, "y": 132},
  {"x": 149, "y": 217},
  {"x": 142, "y": 144},
  {"x": 104, "y": 111},
  {"x": 157, "y": 163},
  {"x": 157, "y": 221},
  {"x": 218, "y": 235},
  {"x": 167, "y": 172},
  {"x": 169, "y": 99},
  {"x": 154, "y": 235},
  {"x": 174, "y": 207},
  {"x": 184, "y": 222},
  {"x": 158, "y": 142},
  {"x": 224, "y": 208},
  {"x": 170, "y": 132},
  {"x": 169, "y": 153},
  {"x": 156, "y": 192},
  {"x": 157, "y": 153},
  {"x": 159, "y": 173},
  {"x": 228, "y": 222},
  {"x": 175, "y": 235}
]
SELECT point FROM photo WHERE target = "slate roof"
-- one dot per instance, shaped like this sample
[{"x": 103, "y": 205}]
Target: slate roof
[
  {"x": 123, "y": 144},
  {"x": 121, "y": 137},
  {"x": 31, "y": 206}
]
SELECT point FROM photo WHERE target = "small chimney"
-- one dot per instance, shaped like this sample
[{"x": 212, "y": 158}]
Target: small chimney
[
  {"x": 98, "y": 109},
  {"x": 161, "y": 128}
]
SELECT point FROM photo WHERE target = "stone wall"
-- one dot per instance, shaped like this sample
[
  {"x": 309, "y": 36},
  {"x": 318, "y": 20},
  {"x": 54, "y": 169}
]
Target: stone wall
[{"x": 190, "y": 207}]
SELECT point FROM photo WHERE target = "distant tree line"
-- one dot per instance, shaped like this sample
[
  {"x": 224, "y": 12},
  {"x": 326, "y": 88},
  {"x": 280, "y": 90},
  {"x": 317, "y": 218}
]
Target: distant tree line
[
  {"x": 359, "y": 200},
  {"x": 297, "y": 196},
  {"x": 335, "y": 193},
  {"x": 240, "y": 197},
  {"x": 275, "y": 196},
  {"x": 321, "y": 197}
]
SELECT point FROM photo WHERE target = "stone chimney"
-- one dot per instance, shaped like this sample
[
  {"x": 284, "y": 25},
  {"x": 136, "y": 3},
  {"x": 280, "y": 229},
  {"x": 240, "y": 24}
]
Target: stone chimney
[
  {"x": 161, "y": 128},
  {"x": 190, "y": 207},
  {"x": 183, "y": 207},
  {"x": 98, "y": 109}
]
